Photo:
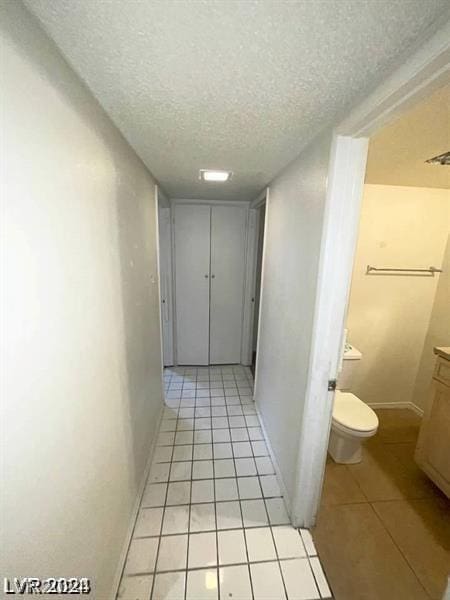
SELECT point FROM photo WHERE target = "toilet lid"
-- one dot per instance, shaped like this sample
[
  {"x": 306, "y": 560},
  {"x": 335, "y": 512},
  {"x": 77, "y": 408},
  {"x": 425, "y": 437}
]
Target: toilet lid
[{"x": 351, "y": 412}]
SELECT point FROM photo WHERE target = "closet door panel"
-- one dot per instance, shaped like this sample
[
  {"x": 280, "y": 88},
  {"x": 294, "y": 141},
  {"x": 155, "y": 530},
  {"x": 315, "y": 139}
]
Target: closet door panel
[
  {"x": 192, "y": 255},
  {"x": 228, "y": 235}
]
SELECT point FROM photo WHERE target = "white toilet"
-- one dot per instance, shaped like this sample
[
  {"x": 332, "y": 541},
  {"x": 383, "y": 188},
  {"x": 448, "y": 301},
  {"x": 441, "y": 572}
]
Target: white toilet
[{"x": 353, "y": 421}]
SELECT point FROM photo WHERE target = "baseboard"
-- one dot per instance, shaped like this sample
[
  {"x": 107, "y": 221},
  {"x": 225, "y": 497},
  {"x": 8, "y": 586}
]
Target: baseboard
[
  {"x": 394, "y": 405},
  {"x": 134, "y": 513},
  {"x": 286, "y": 497}
]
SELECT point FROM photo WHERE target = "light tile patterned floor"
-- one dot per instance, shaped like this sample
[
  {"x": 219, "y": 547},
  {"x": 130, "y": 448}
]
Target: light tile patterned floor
[{"x": 212, "y": 524}]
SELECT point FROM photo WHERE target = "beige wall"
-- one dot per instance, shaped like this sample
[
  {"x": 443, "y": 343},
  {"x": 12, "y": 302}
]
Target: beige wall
[
  {"x": 438, "y": 333},
  {"x": 389, "y": 315},
  {"x": 398, "y": 151},
  {"x": 81, "y": 338}
]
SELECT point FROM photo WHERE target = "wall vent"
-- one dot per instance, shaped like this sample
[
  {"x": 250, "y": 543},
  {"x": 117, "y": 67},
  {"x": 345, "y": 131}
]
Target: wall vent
[{"x": 442, "y": 159}]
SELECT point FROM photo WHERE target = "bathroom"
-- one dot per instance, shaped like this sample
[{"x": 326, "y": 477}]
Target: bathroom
[{"x": 384, "y": 502}]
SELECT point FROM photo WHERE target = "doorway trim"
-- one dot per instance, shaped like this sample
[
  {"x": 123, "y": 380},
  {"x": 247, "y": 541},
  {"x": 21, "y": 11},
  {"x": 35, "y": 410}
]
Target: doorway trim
[
  {"x": 249, "y": 288},
  {"x": 250, "y": 278},
  {"x": 165, "y": 279},
  {"x": 165, "y": 250},
  {"x": 425, "y": 71}
]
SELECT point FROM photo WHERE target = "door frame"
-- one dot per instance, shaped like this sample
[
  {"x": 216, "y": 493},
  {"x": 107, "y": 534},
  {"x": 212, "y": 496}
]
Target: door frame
[
  {"x": 424, "y": 72},
  {"x": 166, "y": 284},
  {"x": 161, "y": 203},
  {"x": 250, "y": 278},
  {"x": 165, "y": 276}
]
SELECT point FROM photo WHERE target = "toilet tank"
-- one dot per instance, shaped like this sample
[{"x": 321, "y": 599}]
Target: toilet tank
[{"x": 350, "y": 362}]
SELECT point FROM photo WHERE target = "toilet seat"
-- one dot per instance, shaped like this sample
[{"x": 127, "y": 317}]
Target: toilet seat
[{"x": 352, "y": 416}]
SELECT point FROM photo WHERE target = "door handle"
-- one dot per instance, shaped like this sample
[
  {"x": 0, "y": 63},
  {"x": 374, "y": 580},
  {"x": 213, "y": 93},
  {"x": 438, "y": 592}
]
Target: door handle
[
  {"x": 213, "y": 276},
  {"x": 206, "y": 276}
]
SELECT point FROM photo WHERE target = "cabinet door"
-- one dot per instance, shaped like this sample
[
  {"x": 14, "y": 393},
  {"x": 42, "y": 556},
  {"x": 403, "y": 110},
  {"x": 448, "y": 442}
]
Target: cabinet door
[
  {"x": 436, "y": 443},
  {"x": 192, "y": 262},
  {"x": 228, "y": 236},
  {"x": 433, "y": 447}
]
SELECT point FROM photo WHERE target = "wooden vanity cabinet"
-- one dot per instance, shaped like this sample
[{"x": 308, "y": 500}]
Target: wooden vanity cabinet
[{"x": 433, "y": 445}]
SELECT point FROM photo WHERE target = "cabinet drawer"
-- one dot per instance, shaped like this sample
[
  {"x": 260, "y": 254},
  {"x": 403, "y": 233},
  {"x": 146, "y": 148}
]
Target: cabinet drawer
[{"x": 442, "y": 371}]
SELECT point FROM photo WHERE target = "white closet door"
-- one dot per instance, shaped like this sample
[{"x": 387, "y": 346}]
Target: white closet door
[
  {"x": 192, "y": 254},
  {"x": 228, "y": 226}
]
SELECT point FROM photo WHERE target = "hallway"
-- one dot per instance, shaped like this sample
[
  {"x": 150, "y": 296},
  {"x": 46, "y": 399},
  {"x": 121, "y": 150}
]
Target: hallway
[
  {"x": 212, "y": 510},
  {"x": 180, "y": 184}
]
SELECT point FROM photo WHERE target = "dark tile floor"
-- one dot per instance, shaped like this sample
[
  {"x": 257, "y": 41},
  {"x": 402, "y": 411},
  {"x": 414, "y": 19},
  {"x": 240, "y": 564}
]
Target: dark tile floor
[{"x": 383, "y": 530}]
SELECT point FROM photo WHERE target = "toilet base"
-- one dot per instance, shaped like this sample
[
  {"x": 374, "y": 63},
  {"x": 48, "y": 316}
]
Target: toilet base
[{"x": 344, "y": 449}]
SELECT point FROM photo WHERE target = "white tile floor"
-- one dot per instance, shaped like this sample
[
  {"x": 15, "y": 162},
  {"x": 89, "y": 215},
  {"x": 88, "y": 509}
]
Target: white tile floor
[{"x": 212, "y": 523}]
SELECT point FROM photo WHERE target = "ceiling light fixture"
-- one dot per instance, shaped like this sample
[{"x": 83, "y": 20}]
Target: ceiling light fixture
[{"x": 214, "y": 175}]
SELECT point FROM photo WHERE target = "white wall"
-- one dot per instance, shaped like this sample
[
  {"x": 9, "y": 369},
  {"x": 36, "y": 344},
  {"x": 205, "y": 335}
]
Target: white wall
[
  {"x": 82, "y": 395},
  {"x": 388, "y": 315},
  {"x": 285, "y": 343},
  {"x": 294, "y": 217}
]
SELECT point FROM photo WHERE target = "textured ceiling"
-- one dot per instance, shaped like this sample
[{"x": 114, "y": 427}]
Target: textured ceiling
[
  {"x": 239, "y": 85},
  {"x": 397, "y": 153}
]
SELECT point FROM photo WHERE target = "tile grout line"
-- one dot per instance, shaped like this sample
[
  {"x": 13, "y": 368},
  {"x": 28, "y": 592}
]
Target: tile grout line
[
  {"x": 168, "y": 535},
  {"x": 234, "y": 564},
  {"x": 242, "y": 520},
  {"x": 271, "y": 526},
  {"x": 208, "y": 502},
  {"x": 398, "y": 548},
  {"x": 306, "y": 557},
  {"x": 354, "y": 479},
  {"x": 134, "y": 525},
  {"x": 161, "y": 530},
  {"x": 215, "y": 518},
  {"x": 220, "y": 401},
  {"x": 189, "y": 515},
  {"x": 315, "y": 578},
  {"x": 268, "y": 520}
]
